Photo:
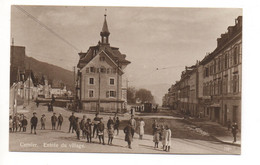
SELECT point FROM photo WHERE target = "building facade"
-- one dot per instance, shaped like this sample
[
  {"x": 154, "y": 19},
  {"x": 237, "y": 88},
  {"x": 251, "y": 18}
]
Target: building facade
[
  {"x": 212, "y": 88},
  {"x": 99, "y": 85}
]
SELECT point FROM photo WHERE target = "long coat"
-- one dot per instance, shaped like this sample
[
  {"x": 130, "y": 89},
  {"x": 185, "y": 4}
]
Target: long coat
[
  {"x": 128, "y": 133},
  {"x": 168, "y": 137},
  {"x": 141, "y": 128},
  {"x": 54, "y": 119}
]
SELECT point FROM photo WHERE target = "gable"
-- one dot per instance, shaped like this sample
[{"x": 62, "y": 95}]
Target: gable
[{"x": 101, "y": 60}]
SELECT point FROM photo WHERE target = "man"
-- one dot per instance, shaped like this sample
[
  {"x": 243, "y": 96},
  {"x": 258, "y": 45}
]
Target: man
[
  {"x": 96, "y": 121},
  {"x": 128, "y": 134},
  {"x": 82, "y": 126},
  {"x": 234, "y": 130},
  {"x": 72, "y": 121},
  {"x": 34, "y": 121},
  {"x": 109, "y": 122},
  {"x": 54, "y": 119},
  {"x": 133, "y": 124},
  {"x": 100, "y": 131},
  {"x": 60, "y": 120}
]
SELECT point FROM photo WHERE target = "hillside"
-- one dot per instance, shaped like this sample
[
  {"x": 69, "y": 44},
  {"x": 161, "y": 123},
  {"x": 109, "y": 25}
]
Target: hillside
[{"x": 53, "y": 73}]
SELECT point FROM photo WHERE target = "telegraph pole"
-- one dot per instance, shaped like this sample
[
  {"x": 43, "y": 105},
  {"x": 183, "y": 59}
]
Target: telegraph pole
[{"x": 29, "y": 83}]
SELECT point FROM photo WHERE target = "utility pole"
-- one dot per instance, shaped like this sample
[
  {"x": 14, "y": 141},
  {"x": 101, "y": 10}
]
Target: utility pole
[{"x": 29, "y": 83}]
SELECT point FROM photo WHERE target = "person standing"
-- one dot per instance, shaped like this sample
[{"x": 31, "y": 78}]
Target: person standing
[
  {"x": 15, "y": 122},
  {"x": 20, "y": 122},
  {"x": 116, "y": 126},
  {"x": 96, "y": 121},
  {"x": 133, "y": 125},
  {"x": 88, "y": 130},
  {"x": 156, "y": 136},
  {"x": 110, "y": 133},
  {"x": 60, "y": 121},
  {"x": 141, "y": 128},
  {"x": 128, "y": 134},
  {"x": 34, "y": 121},
  {"x": 72, "y": 122},
  {"x": 234, "y": 130},
  {"x": 54, "y": 120},
  {"x": 154, "y": 126},
  {"x": 109, "y": 122},
  {"x": 82, "y": 126},
  {"x": 43, "y": 121},
  {"x": 168, "y": 138},
  {"x": 163, "y": 133},
  {"x": 24, "y": 123},
  {"x": 100, "y": 131},
  {"x": 77, "y": 127}
]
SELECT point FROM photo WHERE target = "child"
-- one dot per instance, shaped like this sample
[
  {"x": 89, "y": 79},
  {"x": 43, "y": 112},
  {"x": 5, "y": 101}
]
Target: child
[
  {"x": 116, "y": 126},
  {"x": 110, "y": 133},
  {"x": 43, "y": 121},
  {"x": 100, "y": 131},
  {"x": 168, "y": 139},
  {"x": 156, "y": 136},
  {"x": 24, "y": 123},
  {"x": 88, "y": 128},
  {"x": 163, "y": 133},
  {"x": 141, "y": 129},
  {"x": 128, "y": 134}
]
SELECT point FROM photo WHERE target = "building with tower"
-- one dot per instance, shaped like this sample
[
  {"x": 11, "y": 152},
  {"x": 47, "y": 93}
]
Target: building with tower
[{"x": 100, "y": 77}]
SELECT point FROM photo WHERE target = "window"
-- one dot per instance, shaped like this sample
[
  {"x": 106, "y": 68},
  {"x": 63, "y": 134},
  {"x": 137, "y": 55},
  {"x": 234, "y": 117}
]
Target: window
[
  {"x": 87, "y": 70},
  {"x": 206, "y": 72},
  {"x": 102, "y": 58},
  {"x": 114, "y": 70},
  {"x": 103, "y": 70},
  {"x": 112, "y": 93},
  {"x": 112, "y": 81},
  {"x": 235, "y": 56},
  {"x": 91, "y": 81},
  {"x": 235, "y": 83},
  {"x": 92, "y": 69},
  {"x": 91, "y": 93},
  {"x": 226, "y": 61},
  {"x": 108, "y": 71}
]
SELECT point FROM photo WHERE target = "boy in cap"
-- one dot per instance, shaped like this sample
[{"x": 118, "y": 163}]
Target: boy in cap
[
  {"x": 72, "y": 121},
  {"x": 34, "y": 121}
]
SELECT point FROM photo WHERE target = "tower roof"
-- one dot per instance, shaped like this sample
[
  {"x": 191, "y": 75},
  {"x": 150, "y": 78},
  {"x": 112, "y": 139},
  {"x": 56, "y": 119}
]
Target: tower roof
[{"x": 105, "y": 27}]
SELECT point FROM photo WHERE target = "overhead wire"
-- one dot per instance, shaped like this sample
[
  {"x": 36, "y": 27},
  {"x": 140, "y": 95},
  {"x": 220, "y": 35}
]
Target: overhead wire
[{"x": 46, "y": 27}]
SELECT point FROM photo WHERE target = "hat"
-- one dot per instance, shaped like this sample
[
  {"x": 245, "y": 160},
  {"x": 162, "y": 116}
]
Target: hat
[
  {"x": 34, "y": 112},
  {"x": 54, "y": 113},
  {"x": 43, "y": 115}
]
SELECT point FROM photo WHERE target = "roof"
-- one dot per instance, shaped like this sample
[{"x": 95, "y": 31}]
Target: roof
[
  {"x": 105, "y": 27},
  {"x": 112, "y": 52}
]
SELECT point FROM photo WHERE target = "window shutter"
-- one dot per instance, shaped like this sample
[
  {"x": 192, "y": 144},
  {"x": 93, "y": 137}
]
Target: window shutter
[
  {"x": 107, "y": 94},
  {"x": 87, "y": 70}
]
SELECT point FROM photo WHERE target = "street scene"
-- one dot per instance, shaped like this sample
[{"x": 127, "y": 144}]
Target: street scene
[{"x": 172, "y": 84}]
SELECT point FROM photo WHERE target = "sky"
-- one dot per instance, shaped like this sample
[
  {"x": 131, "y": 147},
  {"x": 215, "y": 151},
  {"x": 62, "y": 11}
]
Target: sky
[{"x": 151, "y": 37}]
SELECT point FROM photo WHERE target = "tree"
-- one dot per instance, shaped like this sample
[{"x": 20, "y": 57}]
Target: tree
[
  {"x": 131, "y": 95},
  {"x": 144, "y": 95}
]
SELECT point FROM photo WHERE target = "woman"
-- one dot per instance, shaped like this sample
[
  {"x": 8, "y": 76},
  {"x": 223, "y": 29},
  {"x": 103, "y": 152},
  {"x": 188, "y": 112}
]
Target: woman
[
  {"x": 141, "y": 128},
  {"x": 168, "y": 138},
  {"x": 128, "y": 134}
]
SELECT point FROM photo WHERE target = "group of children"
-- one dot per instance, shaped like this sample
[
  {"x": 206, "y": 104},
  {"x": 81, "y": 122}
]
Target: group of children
[
  {"x": 86, "y": 125},
  {"x": 162, "y": 133},
  {"x": 18, "y": 122}
]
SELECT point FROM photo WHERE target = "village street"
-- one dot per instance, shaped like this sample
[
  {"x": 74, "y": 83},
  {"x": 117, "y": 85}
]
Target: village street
[{"x": 62, "y": 141}]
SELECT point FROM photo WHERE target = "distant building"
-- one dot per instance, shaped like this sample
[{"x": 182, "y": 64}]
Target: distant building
[{"x": 100, "y": 76}]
